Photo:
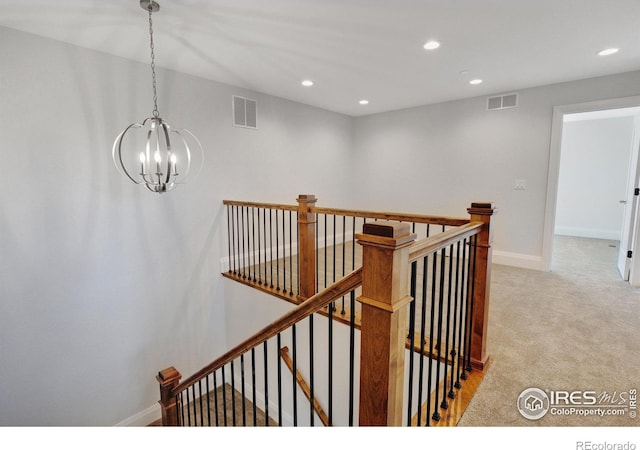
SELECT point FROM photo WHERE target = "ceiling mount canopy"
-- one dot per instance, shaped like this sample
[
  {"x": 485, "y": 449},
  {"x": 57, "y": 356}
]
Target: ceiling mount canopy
[
  {"x": 151, "y": 158},
  {"x": 149, "y": 5}
]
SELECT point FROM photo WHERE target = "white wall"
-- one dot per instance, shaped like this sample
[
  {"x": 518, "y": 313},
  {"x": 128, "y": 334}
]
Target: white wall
[
  {"x": 103, "y": 283},
  {"x": 594, "y": 162},
  {"x": 439, "y": 158}
]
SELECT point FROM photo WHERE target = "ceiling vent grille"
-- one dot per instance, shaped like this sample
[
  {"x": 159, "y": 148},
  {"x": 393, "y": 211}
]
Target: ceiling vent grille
[
  {"x": 502, "y": 101},
  {"x": 245, "y": 112}
]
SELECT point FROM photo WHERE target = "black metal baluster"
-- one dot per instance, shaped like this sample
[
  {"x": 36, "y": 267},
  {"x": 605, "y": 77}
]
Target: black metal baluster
[
  {"x": 229, "y": 234},
  {"x": 279, "y": 345},
  {"x": 259, "y": 250},
  {"x": 423, "y": 326},
  {"x": 236, "y": 259},
  {"x": 277, "y": 254},
  {"x": 251, "y": 242},
  {"x": 434, "y": 270},
  {"x": 330, "y": 366},
  {"x": 333, "y": 252},
  {"x": 266, "y": 385},
  {"x": 311, "y": 377},
  {"x": 208, "y": 402},
  {"x": 290, "y": 255},
  {"x": 284, "y": 252},
  {"x": 253, "y": 386},
  {"x": 271, "y": 249},
  {"x": 188, "y": 408},
  {"x": 317, "y": 258},
  {"x": 462, "y": 332},
  {"x": 195, "y": 415},
  {"x": 411, "y": 336},
  {"x": 244, "y": 264},
  {"x": 325, "y": 251},
  {"x": 233, "y": 395},
  {"x": 215, "y": 399},
  {"x": 436, "y": 414},
  {"x": 334, "y": 248},
  {"x": 298, "y": 252},
  {"x": 465, "y": 312},
  {"x": 452, "y": 393},
  {"x": 244, "y": 395},
  {"x": 200, "y": 402},
  {"x": 254, "y": 266},
  {"x": 352, "y": 328},
  {"x": 182, "y": 408},
  {"x": 353, "y": 244},
  {"x": 344, "y": 233},
  {"x": 264, "y": 227},
  {"x": 445, "y": 403},
  {"x": 294, "y": 371},
  {"x": 224, "y": 398}
]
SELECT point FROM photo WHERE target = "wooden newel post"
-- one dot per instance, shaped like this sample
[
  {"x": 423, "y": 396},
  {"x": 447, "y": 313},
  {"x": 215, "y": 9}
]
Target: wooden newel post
[
  {"x": 385, "y": 296},
  {"x": 481, "y": 212},
  {"x": 307, "y": 246},
  {"x": 168, "y": 379}
]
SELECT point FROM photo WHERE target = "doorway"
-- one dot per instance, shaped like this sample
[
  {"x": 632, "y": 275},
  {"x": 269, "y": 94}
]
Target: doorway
[
  {"x": 621, "y": 206},
  {"x": 593, "y": 180}
]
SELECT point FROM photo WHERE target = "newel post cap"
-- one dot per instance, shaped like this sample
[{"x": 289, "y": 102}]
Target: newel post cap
[
  {"x": 482, "y": 208},
  {"x": 386, "y": 233}
]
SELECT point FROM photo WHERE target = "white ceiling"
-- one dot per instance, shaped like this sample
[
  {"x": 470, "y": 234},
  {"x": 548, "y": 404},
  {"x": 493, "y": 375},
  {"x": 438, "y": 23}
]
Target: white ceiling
[{"x": 355, "y": 49}]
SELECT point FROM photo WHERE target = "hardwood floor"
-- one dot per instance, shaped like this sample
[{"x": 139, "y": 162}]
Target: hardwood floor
[{"x": 233, "y": 413}]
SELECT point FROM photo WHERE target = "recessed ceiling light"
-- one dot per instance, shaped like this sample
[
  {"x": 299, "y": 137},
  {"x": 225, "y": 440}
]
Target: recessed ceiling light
[
  {"x": 364, "y": 102},
  {"x": 475, "y": 81},
  {"x": 307, "y": 83},
  {"x": 608, "y": 51},
  {"x": 431, "y": 45}
]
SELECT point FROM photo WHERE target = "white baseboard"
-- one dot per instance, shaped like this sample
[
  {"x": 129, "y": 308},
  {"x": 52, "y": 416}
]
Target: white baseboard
[
  {"x": 520, "y": 260},
  {"x": 613, "y": 235},
  {"x": 143, "y": 418}
]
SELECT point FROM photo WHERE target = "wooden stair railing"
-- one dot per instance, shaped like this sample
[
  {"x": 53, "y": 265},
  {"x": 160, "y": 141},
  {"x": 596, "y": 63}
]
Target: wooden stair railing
[
  {"x": 388, "y": 249},
  {"x": 168, "y": 378}
]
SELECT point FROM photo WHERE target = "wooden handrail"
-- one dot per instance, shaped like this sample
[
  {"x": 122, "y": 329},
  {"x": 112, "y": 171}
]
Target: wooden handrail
[
  {"x": 306, "y": 308},
  {"x": 261, "y": 205},
  {"x": 395, "y": 216},
  {"x": 432, "y": 244}
]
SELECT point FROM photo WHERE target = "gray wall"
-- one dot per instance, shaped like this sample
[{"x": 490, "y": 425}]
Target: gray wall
[
  {"x": 103, "y": 283},
  {"x": 439, "y": 158}
]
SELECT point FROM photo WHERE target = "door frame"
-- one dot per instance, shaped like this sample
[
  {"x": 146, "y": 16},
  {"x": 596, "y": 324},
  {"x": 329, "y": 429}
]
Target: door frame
[{"x": 554, "y": 163}]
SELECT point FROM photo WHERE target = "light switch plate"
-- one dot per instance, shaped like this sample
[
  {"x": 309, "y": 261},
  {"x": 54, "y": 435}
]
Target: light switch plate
[{"x": 520, "y": 185}]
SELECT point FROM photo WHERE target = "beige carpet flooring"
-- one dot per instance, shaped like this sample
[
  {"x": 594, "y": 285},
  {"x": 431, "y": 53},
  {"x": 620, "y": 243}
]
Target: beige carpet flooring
[{"x": 574, "y": 328}]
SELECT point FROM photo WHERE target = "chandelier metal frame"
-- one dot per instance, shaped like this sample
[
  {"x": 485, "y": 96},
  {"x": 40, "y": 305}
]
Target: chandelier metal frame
[{"x": 158, "y": 161}]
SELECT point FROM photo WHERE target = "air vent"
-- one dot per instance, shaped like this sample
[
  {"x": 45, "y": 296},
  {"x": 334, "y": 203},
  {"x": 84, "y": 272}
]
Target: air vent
[
  {"x": 245, "y": 112},
  {"x": 502, "y": 101}
]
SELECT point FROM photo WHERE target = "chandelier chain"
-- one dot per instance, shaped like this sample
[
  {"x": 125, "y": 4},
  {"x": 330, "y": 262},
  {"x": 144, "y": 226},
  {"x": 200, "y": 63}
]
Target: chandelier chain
[{"x": 153, "y": 67}]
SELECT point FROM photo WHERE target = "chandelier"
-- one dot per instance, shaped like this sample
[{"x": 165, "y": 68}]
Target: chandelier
[{"x": 150, "y": 157}]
